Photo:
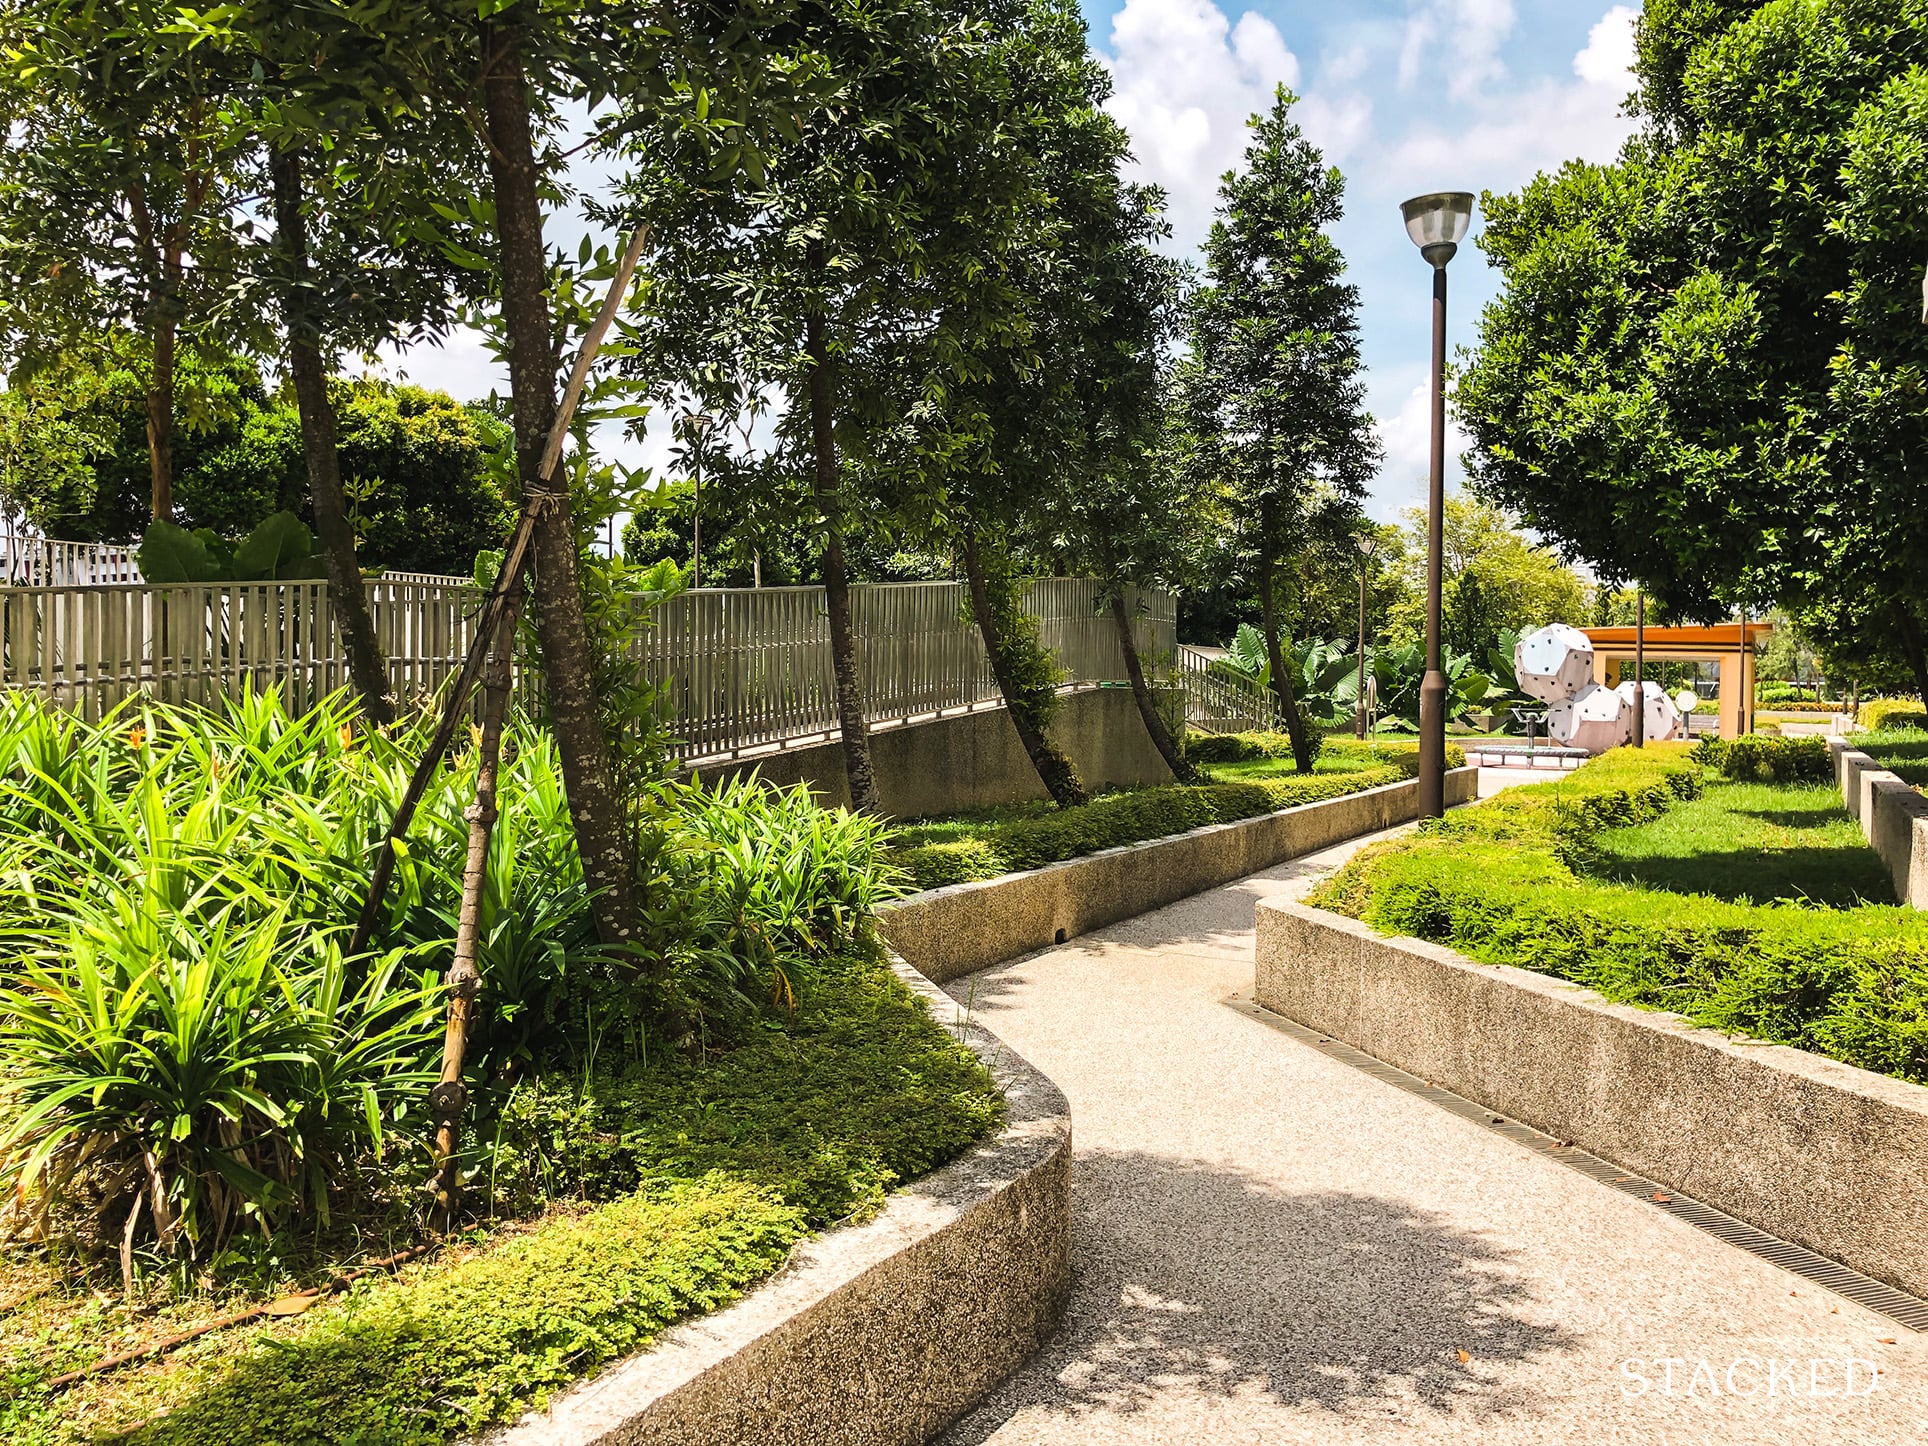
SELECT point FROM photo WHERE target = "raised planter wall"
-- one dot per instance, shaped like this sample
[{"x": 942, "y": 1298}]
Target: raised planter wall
[
  {"x": 1892, "y": 815},
  {"x": 972, "y": 760},
  {"x": 1818, "y": 1152},
  {"x": 878, "y": 1334},
  {"x": 953, "y": 931}
]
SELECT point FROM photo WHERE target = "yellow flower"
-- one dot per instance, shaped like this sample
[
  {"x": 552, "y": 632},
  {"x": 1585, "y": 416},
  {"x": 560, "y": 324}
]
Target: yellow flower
[
  {"x": 347, "y": 736},
  {"x": 137, "y": 738}
]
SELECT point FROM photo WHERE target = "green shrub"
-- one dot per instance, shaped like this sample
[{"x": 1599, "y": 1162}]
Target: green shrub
[
  {"x": 695, "y": 1173},
  {"x": 1880, "y": 714},
  {"x": 1497, "y": 882},
  {"x": 181, "y": 1017},
  {"x": 1118, "y": 819},
  {"x": 1767, "y": 758},
  {"x": 1210, "y": 748}
]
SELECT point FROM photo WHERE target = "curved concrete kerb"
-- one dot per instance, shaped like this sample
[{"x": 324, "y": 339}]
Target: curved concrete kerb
[{"x": 879, "y": 1333}]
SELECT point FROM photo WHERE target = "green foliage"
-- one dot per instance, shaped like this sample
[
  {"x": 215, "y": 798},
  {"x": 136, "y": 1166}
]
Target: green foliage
[
  {"x": 1903, "y": 751},
  {"x": 279, "y": 548},
  {"x": 1766, "y": 759},
  {"x": 1342, "y": 754},
  {"x": 1879, "y": 715},
  {"x": 1728, "y": 317},
  {"x": 180, "y": 885},
  {"x": 1497, "y": 882},
  {"x": 1397, "y": 672},
  {"x": 714, "y": 1167},
  {"x": 936, "y": 855}
]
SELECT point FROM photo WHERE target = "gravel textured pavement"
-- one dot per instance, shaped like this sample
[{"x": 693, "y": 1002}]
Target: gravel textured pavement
[{"x": 1274, "y": 1246}]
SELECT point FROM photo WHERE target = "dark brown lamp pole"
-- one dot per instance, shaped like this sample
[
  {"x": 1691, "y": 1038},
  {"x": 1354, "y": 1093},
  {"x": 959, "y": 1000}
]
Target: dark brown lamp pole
[
  {"x": 1639, "y": 668},
  {"x": 696, "y": 427},
  {"x": 1367, "y": 544},
  {"x": 1437, "y": 224}
]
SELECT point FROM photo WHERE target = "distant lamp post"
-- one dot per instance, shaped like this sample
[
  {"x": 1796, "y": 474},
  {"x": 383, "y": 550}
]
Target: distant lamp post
[
  {"x": 1367, "y": 545},
  {"x": 696, "y": 427},
  {"x": 1639, "y": 668},
  {"x": 1437, "y": 223}
]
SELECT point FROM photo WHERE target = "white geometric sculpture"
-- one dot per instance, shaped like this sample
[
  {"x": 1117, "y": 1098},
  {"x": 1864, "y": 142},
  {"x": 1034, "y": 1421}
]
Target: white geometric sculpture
[
  {"x": 1553, "y": 664},
  {"x": 1663, "y": 720},
  {"x": 1596, "y": 720}
]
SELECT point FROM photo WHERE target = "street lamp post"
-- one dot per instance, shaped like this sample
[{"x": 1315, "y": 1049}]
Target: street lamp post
[
  {"x": 1639, "y": 668},
  {"x": 696, "y": 427},
  {"x": 1367, "y": 545},
  {"x": 1437, "y": 224}
]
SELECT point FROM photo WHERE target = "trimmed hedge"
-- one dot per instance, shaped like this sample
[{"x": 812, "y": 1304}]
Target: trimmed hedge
[
  {"x": 1882, "y": 714},
  {"x": 1799, "y": 705},
  {"x": 1123, "y": 818},
  {"x": 1497, "y": 882},
  {"x": 1210, "y": 748},
  {"x": 1767, "y": 758}
]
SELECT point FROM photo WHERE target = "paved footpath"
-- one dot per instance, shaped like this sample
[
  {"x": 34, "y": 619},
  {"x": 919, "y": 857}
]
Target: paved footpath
[{"x": 1274, "y": 1246}]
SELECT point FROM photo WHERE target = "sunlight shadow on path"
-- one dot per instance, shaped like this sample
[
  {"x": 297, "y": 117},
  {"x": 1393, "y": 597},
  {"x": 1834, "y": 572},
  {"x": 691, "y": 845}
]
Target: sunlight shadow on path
[{"x": 1344, "y": 1303}]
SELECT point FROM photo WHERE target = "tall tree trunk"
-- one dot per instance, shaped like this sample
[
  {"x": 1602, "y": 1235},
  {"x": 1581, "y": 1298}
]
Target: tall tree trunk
[
  {"x": 1161, "y": 736},
  {"x": 1055, "y": 771},
  {"x": 858, "y": 772},
  {"x": 306, "y": 370},
  {"x": 160, "y": 425},
  {"x": 1911, "y": 646},
  {"x": 604, "y": 838},
  {"x": 1275, "y": 654}
]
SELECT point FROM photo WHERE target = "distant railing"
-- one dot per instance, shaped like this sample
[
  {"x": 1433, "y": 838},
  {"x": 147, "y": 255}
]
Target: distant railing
[
  {"x": 1216, "y": 702},
  {"x": 740, "y": 668},
  {"x": 43, "y": 562}
]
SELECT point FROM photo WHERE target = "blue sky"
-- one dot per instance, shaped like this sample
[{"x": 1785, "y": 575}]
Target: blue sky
[{"x": 1405, "y": 96}]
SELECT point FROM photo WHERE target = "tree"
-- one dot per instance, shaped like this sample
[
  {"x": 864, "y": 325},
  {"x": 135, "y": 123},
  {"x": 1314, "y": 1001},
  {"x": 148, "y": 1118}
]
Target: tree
[
  {"x": 122, "y": 189},
  {"x": 843, "y": 272},
  {"x": 1494, "y": 579},
  {"x": 1272, "y": 392},
  {"x": 1704, "y": 368}
]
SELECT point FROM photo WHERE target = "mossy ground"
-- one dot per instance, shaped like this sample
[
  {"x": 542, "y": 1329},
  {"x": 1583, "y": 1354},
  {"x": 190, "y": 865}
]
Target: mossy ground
[{"x": 670, "y": 1190}]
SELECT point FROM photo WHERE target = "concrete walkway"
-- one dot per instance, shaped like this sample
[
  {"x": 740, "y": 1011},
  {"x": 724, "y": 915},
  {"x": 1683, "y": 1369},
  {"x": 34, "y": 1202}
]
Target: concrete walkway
[{"x": 1274, "y": 1246}]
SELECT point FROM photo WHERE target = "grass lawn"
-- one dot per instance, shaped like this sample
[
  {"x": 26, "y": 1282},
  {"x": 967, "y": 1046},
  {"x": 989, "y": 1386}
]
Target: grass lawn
[
  {"x": 1902, "y": 751},
  {"x": 671, "y": 1189},
  {"x": 1750, "y": 842}
]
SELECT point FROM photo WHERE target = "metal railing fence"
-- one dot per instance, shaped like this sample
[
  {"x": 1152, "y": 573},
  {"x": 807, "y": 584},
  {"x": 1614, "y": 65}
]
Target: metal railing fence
[
  {"x": 43, "y": 562},
  {"x": 1217, "y": 702},
  {"x": 740, "y": 668}
]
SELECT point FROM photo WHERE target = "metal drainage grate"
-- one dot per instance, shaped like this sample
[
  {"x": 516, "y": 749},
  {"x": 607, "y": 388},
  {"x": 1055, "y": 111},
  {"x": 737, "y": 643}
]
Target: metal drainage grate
[{"x": 1862, "y": 1289}]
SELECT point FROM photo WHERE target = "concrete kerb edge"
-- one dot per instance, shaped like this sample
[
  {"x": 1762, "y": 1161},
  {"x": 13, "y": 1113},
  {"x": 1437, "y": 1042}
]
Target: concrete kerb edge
[
  {"x": 960, "y": 928},
  {"x": 1809, "y": 1149},
  {"x": 1893, "y": 817},
  {"x": 882, "y": 1332}
]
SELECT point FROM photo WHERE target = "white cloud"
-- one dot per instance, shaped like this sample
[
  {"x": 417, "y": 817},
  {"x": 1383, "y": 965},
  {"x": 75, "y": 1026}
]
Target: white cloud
[
  {"x": 1407, "y": 436},
  {"x": 1459, "y": 39},
  {"x": 1609, "y": 56},
  {"x": 1186, "y": 78},
  {"x": 1501, "y": 139}
]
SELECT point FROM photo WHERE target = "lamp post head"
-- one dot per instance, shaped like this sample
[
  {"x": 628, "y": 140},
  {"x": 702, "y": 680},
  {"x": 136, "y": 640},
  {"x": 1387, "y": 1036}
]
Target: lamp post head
[
  {"x": 1438, "y": 222},
  {"x": 1367, "y": 545},
  {"x": 697, "y": 424}
]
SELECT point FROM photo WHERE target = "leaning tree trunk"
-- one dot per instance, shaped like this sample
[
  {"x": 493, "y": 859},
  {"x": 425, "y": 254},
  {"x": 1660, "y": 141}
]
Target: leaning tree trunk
[
  {"x": 1275, "y": 654},
  {"x": 346, "y": 595},
  {"x": 1911, "y": 647},
  {"x": 160, "y": 425},
  {"x": 859, "y": 773},
  {"x": 1161, "y": 736},
  {"x": 603, "y": 836},
  {"x": 1055, "y": 771}
]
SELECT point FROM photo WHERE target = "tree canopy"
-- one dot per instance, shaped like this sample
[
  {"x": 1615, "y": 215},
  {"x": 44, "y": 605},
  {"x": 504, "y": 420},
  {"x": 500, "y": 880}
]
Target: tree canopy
[{"x": 1705, "y": 366}]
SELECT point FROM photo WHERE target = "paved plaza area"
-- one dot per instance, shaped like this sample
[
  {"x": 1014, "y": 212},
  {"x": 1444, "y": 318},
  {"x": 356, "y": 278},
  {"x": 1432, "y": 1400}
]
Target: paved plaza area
[{"x": 1274, "y": 1246}]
